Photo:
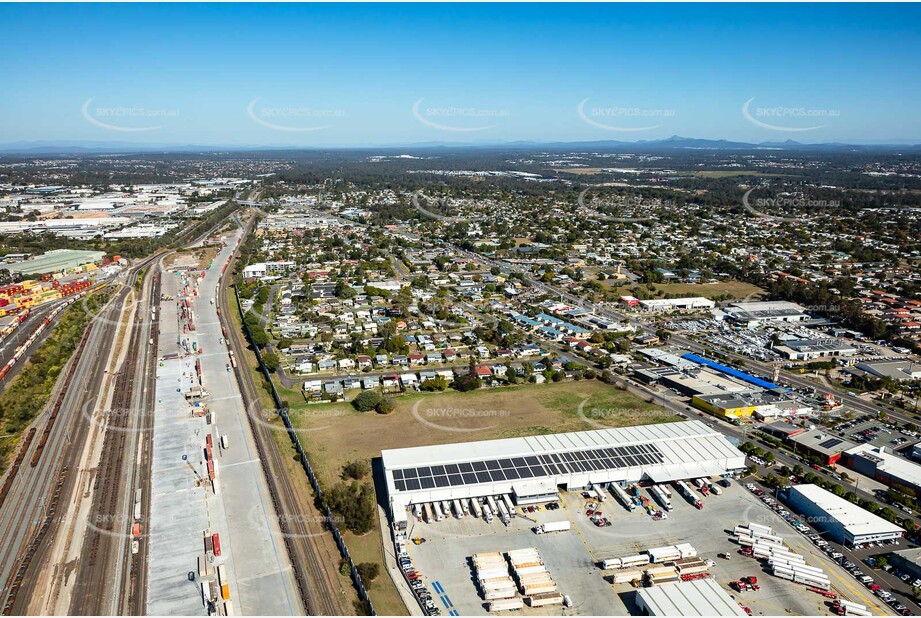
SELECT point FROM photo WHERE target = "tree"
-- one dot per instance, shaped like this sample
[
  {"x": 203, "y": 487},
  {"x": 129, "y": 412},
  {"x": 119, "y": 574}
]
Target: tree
[
  {"x": 385, "y": 406},
  {"x": 770, "y": 457},
  {"x": 270, "y": 359},
  {"x": 467, "y": 383},
  {"x": 367, "y": 401}
]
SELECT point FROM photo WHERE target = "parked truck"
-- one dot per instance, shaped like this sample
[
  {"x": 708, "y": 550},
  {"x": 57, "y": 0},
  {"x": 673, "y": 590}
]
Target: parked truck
[
  {"x": 503, "y": 513},
  {"x": 622, "y": 496},
  {"x": 596, "y": 489},
  {"x": 475, "y": 505},
  {"x": 662, "y": 497},
  {"x": 553, "y": 526}
]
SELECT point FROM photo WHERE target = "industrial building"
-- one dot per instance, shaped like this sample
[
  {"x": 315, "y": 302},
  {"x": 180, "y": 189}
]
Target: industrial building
[
  {"x": 759, "y": 313},
  {"x": 690, "y": 383},
  {"x": 818, "y": 443},
  {"x": 730, "y": 371},
  {"x": 677, "y": 304},
  {"x": 59, "y": 260},
  {"x": 759, "y": 403},
  {"x": 845, "y": 522},
  {"x": 811, "y": 349},
  {"x": 782, "y": 430},
  {"x": 534, "y": 469},
  {"x": 907, "y": 561},
  {"x": 879, "y": 463},
  {"x": 895, "y": 370},
  {"x": 699, "y": 597}
]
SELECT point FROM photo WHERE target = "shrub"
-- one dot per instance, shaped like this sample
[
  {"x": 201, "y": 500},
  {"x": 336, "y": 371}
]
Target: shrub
[
  {"x": 368, "y": 571},
  {"x": 357, "y": 469}
]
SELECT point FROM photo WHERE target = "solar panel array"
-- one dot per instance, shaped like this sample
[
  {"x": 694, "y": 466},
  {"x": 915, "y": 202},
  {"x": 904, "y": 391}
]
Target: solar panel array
[
  {"x": 830, "y": 443},
  {"x": 529, "y": 466}
]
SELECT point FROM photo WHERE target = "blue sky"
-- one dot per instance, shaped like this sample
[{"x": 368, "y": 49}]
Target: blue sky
[{"x": 323, "y": 74}]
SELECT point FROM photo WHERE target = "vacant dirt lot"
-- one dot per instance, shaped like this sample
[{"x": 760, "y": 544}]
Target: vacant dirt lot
[
  {"x": 335, "y": 433},
  {"x": 736, "y": 289}
]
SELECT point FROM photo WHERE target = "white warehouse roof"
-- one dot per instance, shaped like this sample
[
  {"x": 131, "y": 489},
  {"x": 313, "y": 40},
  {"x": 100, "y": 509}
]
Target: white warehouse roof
[
  {"x": 855, "y": 520},
  {"x": 663, "y": 452},
  {"x": 700, "y": 597}
]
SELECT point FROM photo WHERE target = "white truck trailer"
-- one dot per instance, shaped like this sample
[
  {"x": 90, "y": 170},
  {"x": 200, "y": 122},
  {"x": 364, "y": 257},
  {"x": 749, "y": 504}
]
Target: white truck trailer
[{"x": 553, "y": 526}]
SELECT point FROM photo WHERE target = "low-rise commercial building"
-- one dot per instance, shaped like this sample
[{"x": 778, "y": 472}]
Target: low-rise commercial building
[
  {"x": 845, "y": 522},
  {"x": 819, "y": 444},
  {"x": 879, "y": 463}
]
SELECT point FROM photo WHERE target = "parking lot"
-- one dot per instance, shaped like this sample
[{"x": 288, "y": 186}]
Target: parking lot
[
  {"x": 572, "y": 556},
  {"x": 876, "y": 433}
]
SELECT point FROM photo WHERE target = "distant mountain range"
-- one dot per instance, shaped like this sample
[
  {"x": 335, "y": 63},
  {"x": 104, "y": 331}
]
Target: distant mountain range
[{"x": 675, "y": 143}]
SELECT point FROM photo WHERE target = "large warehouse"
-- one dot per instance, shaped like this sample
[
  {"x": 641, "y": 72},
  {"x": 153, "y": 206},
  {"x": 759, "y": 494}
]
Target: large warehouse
[
  {"x": 700, "y": 597},
  {"x": 533, "y": 469},
  {"x": 845, "y": 522}
]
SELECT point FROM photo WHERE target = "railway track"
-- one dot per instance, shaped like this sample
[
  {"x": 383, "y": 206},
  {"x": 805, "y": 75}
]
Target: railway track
[
  {"x": 29, "y": 513},
  {"x": 311, "y": 573},
  {"x": 112, "y": 522},
  {"x": 28, "y": 509}
]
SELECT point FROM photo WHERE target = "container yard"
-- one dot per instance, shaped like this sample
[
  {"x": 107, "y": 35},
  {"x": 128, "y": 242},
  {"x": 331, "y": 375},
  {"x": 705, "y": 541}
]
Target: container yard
[
  {"x": 204, "y": 498},
  {"x": 599, "y": 569}
]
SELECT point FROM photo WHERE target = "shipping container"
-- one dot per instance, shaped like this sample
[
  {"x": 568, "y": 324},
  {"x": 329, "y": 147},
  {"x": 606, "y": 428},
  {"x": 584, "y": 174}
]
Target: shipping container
[
  {"x": 760, "y": 528},
  {"x": 625, "y": 577},
  {"x": 501, "y": 605},
  {"x": 629, "y": 561},
  {"x": 546, "y": 598},
  {"x": 204, "y": 566},
  {"x": 663, "y": 554},
  {"x": 505, "y": 593}
]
